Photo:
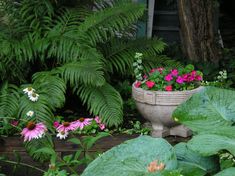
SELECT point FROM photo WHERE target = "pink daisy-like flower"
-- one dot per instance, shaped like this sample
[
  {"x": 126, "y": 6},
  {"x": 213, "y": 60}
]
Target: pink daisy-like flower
[
  {"x": 33, "y": 131},
  {"x": 150, "y": 84},
  {"x": 168, "y": 77},
  {"x": 82, "y": 122},
  {"x": 102, "y": 126},
  {"x": 137, "y": 84},
  {"x": 97, "y": 119},
  {"x": 174, "y": 72},
  {"x": 67, "y": 126}
]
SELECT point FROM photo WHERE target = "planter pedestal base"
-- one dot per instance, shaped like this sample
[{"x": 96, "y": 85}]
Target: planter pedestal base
[{"x": 179, "y": 130}]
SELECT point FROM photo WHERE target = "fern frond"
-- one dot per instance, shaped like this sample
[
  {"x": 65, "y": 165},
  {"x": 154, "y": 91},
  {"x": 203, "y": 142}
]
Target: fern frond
[
  {"x": 50, "y": 86},
  {"x": 85, "y": 71},
  {"x": 120, "y": 52},
  {"x": 9, "y": 100},
  {"x": 104, "y": 101},
  {"x": 103, "y": 24}
]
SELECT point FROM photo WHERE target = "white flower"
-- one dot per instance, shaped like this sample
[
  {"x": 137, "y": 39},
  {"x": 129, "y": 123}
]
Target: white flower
[
  {"x": 62, "y": 134},
  {"x": 28, "y": 90},
  {"x": 138, "y": 55},
  {"x": 33, "y": 97},
  {"x": 30, "y": 113}
]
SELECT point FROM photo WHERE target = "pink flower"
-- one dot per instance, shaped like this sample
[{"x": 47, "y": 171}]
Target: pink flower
[
  {"x": 190, "y": 78},
  {"x": 150, "y": 84},
  {"x": 179, "y": 80},
  {"x": 145, "y": 76},
  {"x": 160, "y": 69},
  {"x": 174, "y": 72},
  {"x": 168, "y": 88},
  {"x": 193, "y": 73},
  {"x": 14, "y": 123},
  {"x": 67, "y": 126},
  {"x": 137, "y": 84},
  {"x": 82, "y": 122},
  {"x": 97, "y": 119},
  {"x": 56, "y": 124},
  {"x": 198, "y": 78},
  {"x": 185, "y": 77},
  {"x": 168, "y": 77},
  {"x": 102, "y": 126},
  {"x": 33, "y": 131},
  {"x": 153, "y": 70}
]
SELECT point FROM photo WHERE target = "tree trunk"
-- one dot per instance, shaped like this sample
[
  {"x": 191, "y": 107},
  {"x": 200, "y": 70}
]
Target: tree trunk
[{"x": 198, "y": 34}]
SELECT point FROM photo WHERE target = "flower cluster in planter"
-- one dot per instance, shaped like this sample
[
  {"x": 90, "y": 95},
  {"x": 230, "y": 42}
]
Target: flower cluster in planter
[{"x": 168, "y": 79}]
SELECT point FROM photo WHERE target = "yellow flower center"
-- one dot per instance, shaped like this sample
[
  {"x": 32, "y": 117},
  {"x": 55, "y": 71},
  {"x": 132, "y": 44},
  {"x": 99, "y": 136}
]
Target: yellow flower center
[{"x": 82, "y": 119}]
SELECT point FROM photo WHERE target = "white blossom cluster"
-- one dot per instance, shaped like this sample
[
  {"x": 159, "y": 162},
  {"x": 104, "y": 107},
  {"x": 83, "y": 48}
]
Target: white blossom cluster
[
  {"x": 138, "y": 68},
  {"x": 32, "y": 95}
]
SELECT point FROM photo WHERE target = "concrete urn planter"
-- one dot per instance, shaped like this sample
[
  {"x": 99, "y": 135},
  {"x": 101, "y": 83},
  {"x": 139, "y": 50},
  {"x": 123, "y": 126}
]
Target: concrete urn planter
[{"x": 158, "y": 106}]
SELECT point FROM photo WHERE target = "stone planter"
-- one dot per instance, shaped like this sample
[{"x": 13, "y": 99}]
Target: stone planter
[{"x": 158, "y": 106}]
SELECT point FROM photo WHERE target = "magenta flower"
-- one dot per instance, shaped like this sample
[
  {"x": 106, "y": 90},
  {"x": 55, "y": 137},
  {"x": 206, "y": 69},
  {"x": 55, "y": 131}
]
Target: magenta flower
[
  {"x": 160, "y": 69},
  {"x": 145, "y": 76},
  {"x": 198, "y": 78},
  {"x": 97, "y": 119},
  {"x": 82, "y": 122},
  {"x": 168, "y": 77},
  {"x": 153, "y": 70},
  {"x": 14, "y": 123},
  {"x": 180, "y": 80},
  {"x": 174, "y": 72},
  {"x": 33, "y": 131},
  {"x": 102, "y": 126},
  {"x": 67, "y": 126},
  {"x": 137, "y": 84},
  {"x": 150, "y": 84},
  {"x": 193, "y": 73},
  {"x": 56, "y": 124}
]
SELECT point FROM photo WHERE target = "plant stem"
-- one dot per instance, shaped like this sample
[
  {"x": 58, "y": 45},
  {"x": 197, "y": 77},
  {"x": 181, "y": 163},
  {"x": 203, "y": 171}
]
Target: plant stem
[
  {"x": 23, "y": 164},
  {"x": 70, "y": 168}
]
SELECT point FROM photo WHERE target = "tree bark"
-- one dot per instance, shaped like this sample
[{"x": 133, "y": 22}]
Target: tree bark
[{"x": 197, "y": 30}]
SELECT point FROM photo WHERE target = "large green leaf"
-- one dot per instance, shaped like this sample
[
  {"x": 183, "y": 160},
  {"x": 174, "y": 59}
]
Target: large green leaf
[
  {"x": 227, "y": 172},
  {"x": 132, "y": 158},
  {"x": 207, "y": 110},
  {"x": 190, "y": 160},
  {"x": 210, "y": 144}
]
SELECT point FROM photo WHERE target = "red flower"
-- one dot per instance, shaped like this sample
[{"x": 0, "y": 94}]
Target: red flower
[
  {"x": 150, "y": 84},
  {"x": 137, "y": 84},
  {"x": 168, "y": 88},
  {"x": 198, "y": 78}
]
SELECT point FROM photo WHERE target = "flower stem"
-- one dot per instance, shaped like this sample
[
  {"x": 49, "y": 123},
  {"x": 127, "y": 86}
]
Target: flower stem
[{"x": 23, "y": 164}]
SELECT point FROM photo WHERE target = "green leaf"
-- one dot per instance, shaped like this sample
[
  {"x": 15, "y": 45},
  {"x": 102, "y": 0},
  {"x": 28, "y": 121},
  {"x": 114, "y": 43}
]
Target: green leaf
[
  {"x": 190, "y": 160},
  {"x": 132, "y": 158},
  {"x": 89, "y": 141},
  {"x": 227, "y": 172},
  {"x": 212, "y": 107},
  {"x": 210, "y": 144},
  {"x": 75, "y": 141}
]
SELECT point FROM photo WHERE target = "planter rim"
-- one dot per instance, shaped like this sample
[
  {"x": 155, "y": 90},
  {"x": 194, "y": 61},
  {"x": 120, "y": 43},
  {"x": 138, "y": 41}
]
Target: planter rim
[{"x": 168, "y": 92}]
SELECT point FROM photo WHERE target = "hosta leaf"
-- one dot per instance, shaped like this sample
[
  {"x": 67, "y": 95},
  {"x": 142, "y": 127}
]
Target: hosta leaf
[
  {"x": 227, "y": 172},
  {"x": 212, "y": 107},
  {"x": 191, "y": 160},
  {"x": 211, "y": 144},
  {"x": 132, "y": 158}
]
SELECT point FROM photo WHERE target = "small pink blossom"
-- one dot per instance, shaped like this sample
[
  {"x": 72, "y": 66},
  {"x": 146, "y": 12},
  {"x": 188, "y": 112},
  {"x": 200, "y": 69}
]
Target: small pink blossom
[
  {"x": 168, "y": 88},
  {"x": 102, "y": 126},
  {"x": 67, "y": 126},
  {"x": 82, "y": 122},
  {"x": 33, "y": 131},
  {"x": 174, "y": 72},
  {"x": 160, "y": 69},
  {"x": 137, "y": 84},
  {"x": 180, "y": 80},
  {"x": 150, "y": 84},
  {"x": 168, "y": 77},
  {"x": 190, "y": 78},
  {"x": 97, "y": 119},
  {"x": 56, "y": 124},
  {"x": 198, "y": 78},
  {"x": 193, "y": 73},
  {"x": 14, "y": 123},
  {"x": 153, "y": 70},
  {"x": 145, "y": 76}
]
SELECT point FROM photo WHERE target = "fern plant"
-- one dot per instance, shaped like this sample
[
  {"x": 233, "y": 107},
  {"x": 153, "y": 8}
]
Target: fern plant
[{"x": 81, "y": 44}]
